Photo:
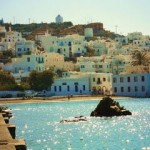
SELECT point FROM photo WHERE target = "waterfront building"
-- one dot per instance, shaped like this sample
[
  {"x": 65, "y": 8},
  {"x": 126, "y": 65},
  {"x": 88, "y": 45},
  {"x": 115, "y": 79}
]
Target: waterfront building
[
  {"x": 136, "y": 85},
  {"x": 70, "y": 86},
  {"x": 101, "y": 83}
]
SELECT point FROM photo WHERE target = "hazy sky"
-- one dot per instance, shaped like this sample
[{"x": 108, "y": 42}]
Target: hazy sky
[{"x": 128, "y": 15}]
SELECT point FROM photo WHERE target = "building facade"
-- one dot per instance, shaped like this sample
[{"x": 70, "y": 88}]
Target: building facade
[{"x": 136, "y": 85}]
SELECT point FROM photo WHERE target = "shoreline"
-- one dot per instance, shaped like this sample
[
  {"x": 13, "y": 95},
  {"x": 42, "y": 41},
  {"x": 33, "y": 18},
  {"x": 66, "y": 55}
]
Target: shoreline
[{"x": 56, "y": 99}]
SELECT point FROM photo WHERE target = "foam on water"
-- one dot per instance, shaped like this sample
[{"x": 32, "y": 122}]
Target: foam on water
[{"x": 40, "y": 125}]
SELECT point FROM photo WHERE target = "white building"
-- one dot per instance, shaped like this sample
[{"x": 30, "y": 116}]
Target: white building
[
  {"x": 26, "y": 63},
  {"x": 2, "y": 29},
  {"x": 56, "y": 61},
  {"x": 101, "y": 83},
  {"x": 103, "y": 64},
  {"x": 142, "y": 43},
  {"x": 10, "y": 39},
  {"x": 68, "y": 46},
  {"x": 88, "y": 32},
  {"x": 59, "y": 19},
  {"x": 134, "y": 36},
  {"x": 70, "y": 86},
  {"x": 24, "y": 47},
  {"x": 131, "y": 85}
]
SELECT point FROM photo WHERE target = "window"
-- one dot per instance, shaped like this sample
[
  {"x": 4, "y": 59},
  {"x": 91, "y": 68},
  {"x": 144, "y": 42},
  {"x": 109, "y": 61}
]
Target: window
[
  {"x": 100, "y": 66},
  {"x": 114, "y": 80},
  {"x": 128, "y": 79},
  {"x": 135, "y": 79},
  {"x": 28, "y": 68},
  {"x": 115, "y": 89},
  {"x": 143, "y": 78},
  {"x": 98, "y": 81},
  {"x": 19, "y": 49},
  {"x": 68, "y": 88},
  {"x": 104, "y": 79},
  {"x": 82, "y": 66},
  {"x": 122, "y": 89},
  {"x": 55, "y": 88},
  {"x": 83, "y": 87},
  {"x": 64, "y": 83},
  {"x": 76, "y": 88},
  {"x": 93, "y": 79},
  {"x": 129, "y": 89},
  {"x": 136, "y": 88},
  {"x": 59, "y": 88},
  {"x": 28, "y": 59},
  {"x": 143, "y": 88},
  {"x": 121, "y": 79}
]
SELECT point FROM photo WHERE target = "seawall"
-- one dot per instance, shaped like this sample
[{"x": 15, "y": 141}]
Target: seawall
[{"x": 8, "y": 139}]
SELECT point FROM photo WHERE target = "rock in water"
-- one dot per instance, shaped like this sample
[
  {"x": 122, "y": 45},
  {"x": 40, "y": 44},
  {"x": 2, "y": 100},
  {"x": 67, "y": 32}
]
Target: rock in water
[{"x": 108, "y": 107}]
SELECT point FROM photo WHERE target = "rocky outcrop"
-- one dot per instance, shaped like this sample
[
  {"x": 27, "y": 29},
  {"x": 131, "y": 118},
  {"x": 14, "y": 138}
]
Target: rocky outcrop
[
  {"x": 75, "y": 119},
  {"x": 108, "y": 107}
]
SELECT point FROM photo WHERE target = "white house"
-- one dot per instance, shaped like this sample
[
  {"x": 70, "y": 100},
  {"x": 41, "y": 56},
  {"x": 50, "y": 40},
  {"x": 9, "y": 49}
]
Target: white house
[
  {"x": 11, "y": 37},
  {"x": 26, "y": 63},
  {"x": 134, "y": 36},
  {"x": 24, "y": 46}
]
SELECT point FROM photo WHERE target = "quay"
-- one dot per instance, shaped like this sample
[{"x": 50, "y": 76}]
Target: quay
[{"x": 8, "y": 139}]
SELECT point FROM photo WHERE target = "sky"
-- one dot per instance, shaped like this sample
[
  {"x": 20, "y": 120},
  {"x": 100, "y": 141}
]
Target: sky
[{"x": 121, "y": 16}]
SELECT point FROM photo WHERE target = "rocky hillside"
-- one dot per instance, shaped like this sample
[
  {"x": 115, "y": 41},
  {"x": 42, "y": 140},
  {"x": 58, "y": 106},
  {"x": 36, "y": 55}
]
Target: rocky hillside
[{"x": 60, "y": 29}]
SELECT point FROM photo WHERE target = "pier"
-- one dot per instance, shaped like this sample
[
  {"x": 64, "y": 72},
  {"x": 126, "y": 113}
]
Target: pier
[{"x": 8, "y": 139}]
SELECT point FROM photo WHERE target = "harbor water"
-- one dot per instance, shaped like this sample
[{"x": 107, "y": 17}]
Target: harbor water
[{"x": 39, "y": 124}]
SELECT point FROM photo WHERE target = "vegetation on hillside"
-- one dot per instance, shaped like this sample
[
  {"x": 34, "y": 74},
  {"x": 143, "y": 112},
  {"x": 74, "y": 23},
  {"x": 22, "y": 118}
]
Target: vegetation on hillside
[
  {"x": 41, "y": 80},
  {"x": 7, "y": 81},
  {"x": 140, "y": 58}
]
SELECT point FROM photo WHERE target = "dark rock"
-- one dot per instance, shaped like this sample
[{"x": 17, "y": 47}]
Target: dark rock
[{"x": 108, "y": 107}]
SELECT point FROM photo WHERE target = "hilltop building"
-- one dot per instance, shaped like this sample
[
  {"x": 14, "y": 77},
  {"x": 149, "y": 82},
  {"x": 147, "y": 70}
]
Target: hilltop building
[
  {"x": 1, "y": 21},
  {"x": 59, "y": 19}
]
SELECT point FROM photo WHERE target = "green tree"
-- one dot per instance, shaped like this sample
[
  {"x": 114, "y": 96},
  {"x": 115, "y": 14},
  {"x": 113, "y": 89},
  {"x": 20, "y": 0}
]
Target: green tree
[
  {"x": 8, "y": 53},
  {"x": 90, "y": 51},
  {"x": 140, "y": 58},
  {"x": 7, "y": 81},
  {"x": 41, "y": 80}
]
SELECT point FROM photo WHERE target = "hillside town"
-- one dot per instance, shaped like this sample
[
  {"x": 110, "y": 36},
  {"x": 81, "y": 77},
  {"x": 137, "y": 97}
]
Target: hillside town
[{"x": 88, "y": 64}]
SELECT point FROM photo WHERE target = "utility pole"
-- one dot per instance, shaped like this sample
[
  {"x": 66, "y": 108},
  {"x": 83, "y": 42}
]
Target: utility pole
[
  {"x": 116, "y": 26},
  {"x": 14, "y": 20}
]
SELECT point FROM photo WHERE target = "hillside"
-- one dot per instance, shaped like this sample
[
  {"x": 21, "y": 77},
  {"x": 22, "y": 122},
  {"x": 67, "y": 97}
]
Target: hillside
[{"x": 63, "y": 29}]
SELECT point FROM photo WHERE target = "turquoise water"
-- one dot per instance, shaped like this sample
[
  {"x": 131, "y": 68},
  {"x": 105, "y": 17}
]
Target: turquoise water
[{"x": 39, "y": 124}]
